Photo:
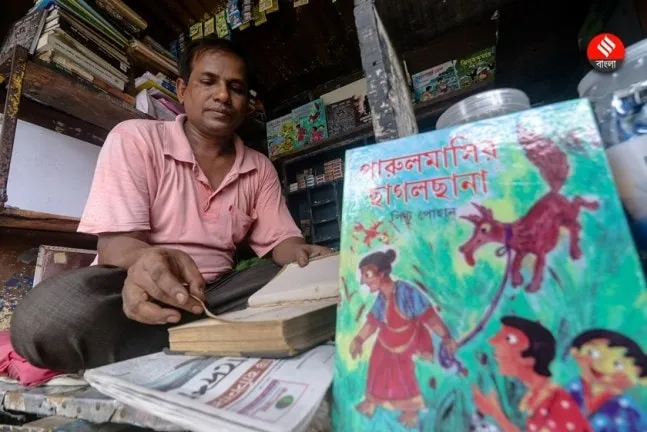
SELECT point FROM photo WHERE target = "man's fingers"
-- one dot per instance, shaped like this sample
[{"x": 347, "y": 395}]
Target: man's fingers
[
  {"x": 160, "y": 291},
  {"x": 156, "y": 314},
  {"x": 161, "y": 275},
  {"x": 159, "y": 281},
  {"x": 191, "y": 275},
  {"x": 138, "y": 307},
  {"x": 302, "y": 257}
]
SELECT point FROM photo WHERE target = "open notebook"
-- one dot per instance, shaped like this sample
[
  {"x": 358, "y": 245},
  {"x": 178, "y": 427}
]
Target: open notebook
[{"x": 291, "y": 313}]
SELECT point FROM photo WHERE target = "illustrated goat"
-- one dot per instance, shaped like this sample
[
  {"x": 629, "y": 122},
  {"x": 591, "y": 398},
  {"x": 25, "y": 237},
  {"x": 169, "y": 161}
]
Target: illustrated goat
[{"x": 537, "y": 232}]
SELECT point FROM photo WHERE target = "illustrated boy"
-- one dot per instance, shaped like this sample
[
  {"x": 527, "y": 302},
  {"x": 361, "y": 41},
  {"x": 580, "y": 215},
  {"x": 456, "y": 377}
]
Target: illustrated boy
[
  {"x": 427, "y": 95},
  {"x": 301, "y": 133},
  {"x": 524, "y": 350},
  {"x": 610, "y": 364},
  {"x": 317, "y": 134}
]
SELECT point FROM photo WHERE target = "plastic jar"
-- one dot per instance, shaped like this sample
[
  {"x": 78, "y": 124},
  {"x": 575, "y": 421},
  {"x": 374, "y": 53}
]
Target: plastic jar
[
  {"x": 620, "y": 103},
  {"x": 488, "y": 104}
]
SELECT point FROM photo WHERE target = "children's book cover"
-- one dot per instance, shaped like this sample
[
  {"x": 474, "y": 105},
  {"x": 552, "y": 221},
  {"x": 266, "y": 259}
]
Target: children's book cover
[
  {"x": 341, "y": 117},
  {"x": 280, "y": 135},
  {"x": 437, "y": 81},
  {"x": 477, "y": 67},
  {"x": 489, "y": 282},
  {"x": 362, "y": 109},
  {"x": 310, "y": 122},
  {"x": 234, "y": 17}
]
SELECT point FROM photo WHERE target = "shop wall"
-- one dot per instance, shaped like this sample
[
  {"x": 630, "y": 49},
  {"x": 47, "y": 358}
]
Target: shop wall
[{"x": 50, "y": 172}]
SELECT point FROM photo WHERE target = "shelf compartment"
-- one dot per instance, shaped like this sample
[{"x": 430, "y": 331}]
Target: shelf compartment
[{"x": 72, "y": 96}]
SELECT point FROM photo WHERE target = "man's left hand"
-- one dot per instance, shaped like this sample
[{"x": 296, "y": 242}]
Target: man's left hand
[{"x": 304, "y": 252}]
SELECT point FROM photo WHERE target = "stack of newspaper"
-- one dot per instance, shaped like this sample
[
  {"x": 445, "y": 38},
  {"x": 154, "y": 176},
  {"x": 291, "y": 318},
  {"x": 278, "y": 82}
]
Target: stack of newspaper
[{"x": 226, "y": 394}]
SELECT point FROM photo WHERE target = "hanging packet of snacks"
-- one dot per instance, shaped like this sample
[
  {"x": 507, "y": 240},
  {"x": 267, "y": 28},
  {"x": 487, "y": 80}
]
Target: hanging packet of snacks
[
  {"x": 195, "y": 31},
  {"x": 209, "y": 26},
  {"x": 248, "y": 13},
  {"x": 274, "y": 8},
  {"x": 233, "y": 14},
  {"x": 244, "y": 26},
  {"x": 259, "y": 17},
  {"x": 265, "y": 5},
  {"x": 298, "y": 3},
  {"x": 222, "y": 28}
]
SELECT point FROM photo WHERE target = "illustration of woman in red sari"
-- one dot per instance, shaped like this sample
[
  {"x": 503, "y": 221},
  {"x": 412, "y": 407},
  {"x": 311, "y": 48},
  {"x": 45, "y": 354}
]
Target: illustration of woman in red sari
[{"x": 402, "y": 318}]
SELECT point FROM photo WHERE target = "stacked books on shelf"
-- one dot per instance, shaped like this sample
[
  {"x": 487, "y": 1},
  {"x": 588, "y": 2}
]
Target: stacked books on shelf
[
  {"x": 154, "y": 56},
  {"x": 101, "y": 42},
  {"x": 333, "y": 170},
  {"x": 90, "y": 41},
  {"x": 311, "y": 177},
  {"x": 155, "y": 87},
  {"x": 157, "y": 97}
]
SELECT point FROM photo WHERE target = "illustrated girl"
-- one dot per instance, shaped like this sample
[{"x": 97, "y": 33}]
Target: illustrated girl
[
  {"x": 610, "y": 365},
  {"x": 402, "y": 319}
]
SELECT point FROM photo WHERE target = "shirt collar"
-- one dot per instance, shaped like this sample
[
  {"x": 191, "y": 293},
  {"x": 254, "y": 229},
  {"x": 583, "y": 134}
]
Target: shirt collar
[{"x": 177, "y": 146}]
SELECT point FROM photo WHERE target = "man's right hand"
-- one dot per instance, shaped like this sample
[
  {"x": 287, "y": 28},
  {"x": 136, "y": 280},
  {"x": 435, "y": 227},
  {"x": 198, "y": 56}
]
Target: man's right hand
[{"x": 165, "y": 275}]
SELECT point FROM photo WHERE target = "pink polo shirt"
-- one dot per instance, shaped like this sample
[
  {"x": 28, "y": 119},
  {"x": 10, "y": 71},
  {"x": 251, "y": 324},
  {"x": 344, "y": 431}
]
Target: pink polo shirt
[{"x": 147, "y": 179}]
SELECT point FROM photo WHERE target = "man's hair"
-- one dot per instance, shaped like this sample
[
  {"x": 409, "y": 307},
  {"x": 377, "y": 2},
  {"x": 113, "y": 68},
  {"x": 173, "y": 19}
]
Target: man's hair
[
  {"x": 541, "y": 343},
  {"x": 614, "y": 340},
  {"x": 205, "y": 45}
]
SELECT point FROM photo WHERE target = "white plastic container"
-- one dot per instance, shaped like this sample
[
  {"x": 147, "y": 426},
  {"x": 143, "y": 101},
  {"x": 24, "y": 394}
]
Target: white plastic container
[
  {"x": 597, "y": 86},
  {"x": 627, "y": 156},
  {"x": 488, "y": 104}
]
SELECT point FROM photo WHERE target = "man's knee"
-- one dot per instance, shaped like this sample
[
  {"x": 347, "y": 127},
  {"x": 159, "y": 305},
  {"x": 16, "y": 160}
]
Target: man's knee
[{"x": 48, "y": 326}]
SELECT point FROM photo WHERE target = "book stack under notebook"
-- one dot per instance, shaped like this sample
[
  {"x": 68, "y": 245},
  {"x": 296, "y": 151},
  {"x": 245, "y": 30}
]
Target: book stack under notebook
[
  {"x": 292, "y": 313},
  {"x": 89, "y": 39}
]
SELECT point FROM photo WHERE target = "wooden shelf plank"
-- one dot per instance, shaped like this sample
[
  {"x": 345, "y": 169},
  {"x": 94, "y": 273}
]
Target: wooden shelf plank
[
  {"x": 53, "y": 119},
  {"x": 423, "y": 111},
  {"x": 26, "y": 219},
  {"x": 74, "y": 97}
]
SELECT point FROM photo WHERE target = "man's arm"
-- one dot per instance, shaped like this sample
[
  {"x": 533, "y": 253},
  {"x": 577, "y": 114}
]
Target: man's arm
[
  {"x": 296, "y": 249},
  {"x": 122, "y": 249},
  {"x": 274, "y": 230},
  {"x": 285, "y": 252}
]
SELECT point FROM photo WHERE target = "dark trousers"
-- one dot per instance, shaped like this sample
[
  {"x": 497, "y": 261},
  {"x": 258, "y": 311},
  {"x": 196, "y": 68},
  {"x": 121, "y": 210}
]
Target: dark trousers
[{"x": 75, "y": 320}]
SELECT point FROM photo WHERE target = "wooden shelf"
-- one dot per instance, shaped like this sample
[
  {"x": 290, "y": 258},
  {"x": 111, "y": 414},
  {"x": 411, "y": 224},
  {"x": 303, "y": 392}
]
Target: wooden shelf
[
  {"x": 73, "y": 96},
  {"x": 26, "y": 219},
  {"x": 423, "y": 111}
]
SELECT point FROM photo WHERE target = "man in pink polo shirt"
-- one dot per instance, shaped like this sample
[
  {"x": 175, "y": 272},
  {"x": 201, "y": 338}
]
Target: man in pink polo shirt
[{"x": 170, "y": 202}]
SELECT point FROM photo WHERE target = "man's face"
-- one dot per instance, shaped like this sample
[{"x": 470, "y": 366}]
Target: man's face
[
  {"x": 509, "y": 344},
  {"x": 215, "y": 98},
  {"x": 606, "y": 366}
]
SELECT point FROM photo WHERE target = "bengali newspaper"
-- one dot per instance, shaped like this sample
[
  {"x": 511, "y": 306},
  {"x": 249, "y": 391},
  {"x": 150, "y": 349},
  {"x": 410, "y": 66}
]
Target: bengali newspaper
[{"x": 222, "y": 393}]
